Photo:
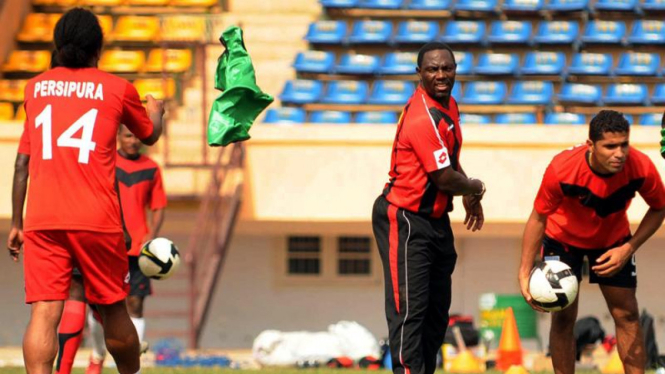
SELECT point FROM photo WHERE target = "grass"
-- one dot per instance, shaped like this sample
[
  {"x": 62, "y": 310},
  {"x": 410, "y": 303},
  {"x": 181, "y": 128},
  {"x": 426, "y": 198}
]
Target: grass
[{"x": 266, "y": 371}]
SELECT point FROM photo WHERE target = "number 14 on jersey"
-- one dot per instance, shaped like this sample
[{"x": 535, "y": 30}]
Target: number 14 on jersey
[{"x": 66, "y": 139}]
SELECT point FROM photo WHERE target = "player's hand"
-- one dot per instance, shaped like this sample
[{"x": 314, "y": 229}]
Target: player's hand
[
  {"x": 15, "y": 242},
  {"x": 154, "y": 106},
  {"x": 524, "y": 287},
  {"x": 612, "y": 261},
  {"x": 474, "y": 213}
]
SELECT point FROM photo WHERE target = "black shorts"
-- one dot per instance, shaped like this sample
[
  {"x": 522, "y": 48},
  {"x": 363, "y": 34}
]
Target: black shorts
[
  {"x": 139, "y": 284},
  {"x": 574, "y": 257}
]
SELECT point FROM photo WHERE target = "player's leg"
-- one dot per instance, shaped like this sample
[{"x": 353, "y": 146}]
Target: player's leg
[
  {"x": 623, "y": 307},
  {"x": 70, "y": 331},
  {"x": 140, "y": 288},
  {"x": 40, "y": 342},
  {"x": 120, "y": 337},
  {"x": 98, "y": 353}
]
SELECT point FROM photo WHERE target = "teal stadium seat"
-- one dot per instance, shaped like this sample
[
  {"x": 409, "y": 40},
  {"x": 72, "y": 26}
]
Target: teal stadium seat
[
  {"x": 377, "y": 117},
  {"x": 578, "y": 93},
  {"x": 330, "y": 116},
  {"x": 543, "y": 63},
  {"x": 346, "y": 92},
  {"x": 556, "y": 32},
  {"x": 285, "y": 115},
  {"x": 651, "y": 119},
  {"x": 464, "y": 32},
  {"x": 357, "y": 64},
  {"x": 301, "y": 91},
  {"x": 604, "y": 32},
  {"x": 474, "y": 119},
  {"x": 644, "y": 64},
  {"x": 497, "y": 64},
  {"x": 391, "y": 92},
  {"x": 421, "y": 32},
  {"x": 647, "y": 32},
  {"x": 314, "y": 62},
  {"x": 484, "y": 93},
  {"x": 531, "y": 93},
  {"x": 510, "y": 32},
  {"x": 326, "y": 32},
  {"x": 515, "y": 119},
  {"x": 626, "y": 94},
  {"x": 591, "y": 64},
  {"x": 564, "y": 119},
  {"x": 429, "y": 4},
  {"x": 399, "y": 63},
  {"x": 371, "y": 32}
]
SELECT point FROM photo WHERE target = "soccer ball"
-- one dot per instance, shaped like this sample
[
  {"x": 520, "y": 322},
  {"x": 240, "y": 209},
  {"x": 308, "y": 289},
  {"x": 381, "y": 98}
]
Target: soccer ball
[
  {"x": 159, "y": 258},
  {"x": 553, "y": 285}
]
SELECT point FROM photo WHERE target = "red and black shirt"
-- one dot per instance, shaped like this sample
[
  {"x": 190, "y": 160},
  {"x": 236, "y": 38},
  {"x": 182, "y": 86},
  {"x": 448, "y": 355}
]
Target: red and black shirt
[
  {"x": 428, "y": 138},
  {"x": 588, "y": 210}
]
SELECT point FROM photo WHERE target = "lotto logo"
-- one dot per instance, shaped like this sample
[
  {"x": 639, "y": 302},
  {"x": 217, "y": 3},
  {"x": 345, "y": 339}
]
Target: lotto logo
[{"x": 441, "y": 158}]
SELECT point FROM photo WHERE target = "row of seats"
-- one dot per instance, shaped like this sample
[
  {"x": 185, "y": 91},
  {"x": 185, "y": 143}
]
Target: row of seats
[
  {"x": 387, "y": 92},
  {"x": 179, "y": 3},
  {"x": 291, "y": 115},
  {"x": 113, "y": 61},
  {"x": 38, "y": 27},
  {"x": 494, "y": 6},
  {"x": 535, "y": 63},
  {"x": 643, "y": 32}
]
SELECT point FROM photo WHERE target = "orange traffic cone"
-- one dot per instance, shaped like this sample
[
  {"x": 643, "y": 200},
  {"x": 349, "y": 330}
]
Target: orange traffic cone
[
  {"x": 614, "y": 365},
  {"x": 510, "y": 349},
  {"x": 517, "y": 369}
]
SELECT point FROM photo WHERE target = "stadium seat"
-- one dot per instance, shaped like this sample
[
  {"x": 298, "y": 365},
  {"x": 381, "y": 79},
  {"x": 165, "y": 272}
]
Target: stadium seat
[
  {"x": 567, "y": 5},
  {"x": 122, "y": 61},
  {"x": 369, "y": 32},
  {"x": 396, "y": 63},
  {"x": 147, "y": 2},
  {"x": 391, "y": 92},
  {"x": 301, "y": 91},
  {"x": 516, "y": 119},
  {"x": 616, "y": 5},
  {"x": 330, "y": 116},
  {"x": 647, "y": 32},
  {"x": 380, "y": 4},
  {"x": 183, "y": 28},
  {"x": 136, "y": 29},
  {"x": 346, "y": 92},
  {"x": 658, "y": 97},
  {"x": 377, "y": 117},
  {"x": 59, "y": 3},
  {"x": 522, "y": 6},
  {"x": 653, "y": 6},
  {"x": 6, "y": 111},
  {"x": 194, "y": 3},
  {"x": 543, "y": 63},
  {"x": 580, "y": 93},
  {"x": 556, "y": 32},
  {"x": 510, "y": 32},
  {"x": 357, "y": 64},
  {"x": 416, "y": 32},
  {"x": 160, "y": 89},
  {"x": 604, "y": 32},
  {"x": 326, "y": 32},
  {"x": 457, "y": 90},
  {"x": 429, "y": 4},
  {"x": 285, "y": 115},
  {"x": 626, "y": 94},
  {"x": 169, "y": 60},
  {"x": 467, "y": 32},
  {"x": 475, "y": 5},
  {"x": 497, "y": 64},
  {"x": 651, "y": 119},
  {"x": 531, "y": 93},
  {"x": 20, "y": 114},
  {"x": 484, "y": 93},
  {"x": 631, "y": 63},
  {"x": 474, "y": 119},
  {"x": 38, "y": 27},
  {"x": 464, "y": 63},
  {"x": 100, "y": 2},
  {"x": 12, "y": 90},
  {"x": 339, "y": 3},
  {"x": 591, "y": 64},
  {"x": 314, "y": 62},
  {"x": 629, "y": 118},
  {"x": 564, "y": 119},
  {"x": 106, "y": 23},
  {"x": 27, "y": 61}
]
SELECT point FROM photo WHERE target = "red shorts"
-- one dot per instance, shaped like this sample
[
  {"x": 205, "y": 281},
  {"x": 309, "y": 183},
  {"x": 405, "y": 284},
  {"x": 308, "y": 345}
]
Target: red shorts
[{"x": 51, "y": 255}]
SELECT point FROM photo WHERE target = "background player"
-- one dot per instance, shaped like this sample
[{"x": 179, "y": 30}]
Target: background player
[{"x": 580, "y": 210}]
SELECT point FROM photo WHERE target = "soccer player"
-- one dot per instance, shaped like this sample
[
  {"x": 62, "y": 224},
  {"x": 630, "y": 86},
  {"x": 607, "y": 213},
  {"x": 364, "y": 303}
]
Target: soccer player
[
  {"x": 580, "y": 211},
  {"x": 73, "y": 217},
  {"x": 410, "y": 218}
]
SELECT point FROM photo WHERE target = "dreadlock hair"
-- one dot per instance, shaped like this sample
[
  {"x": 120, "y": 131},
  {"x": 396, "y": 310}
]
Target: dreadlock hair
[{"x": 78, "y": 38}]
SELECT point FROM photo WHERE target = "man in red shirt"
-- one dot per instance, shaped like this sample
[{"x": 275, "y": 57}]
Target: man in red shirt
[
  {"x": 73, "y": 216},
  {"x": 410, "y": 219},
  {"x": 580, "y": 210}
]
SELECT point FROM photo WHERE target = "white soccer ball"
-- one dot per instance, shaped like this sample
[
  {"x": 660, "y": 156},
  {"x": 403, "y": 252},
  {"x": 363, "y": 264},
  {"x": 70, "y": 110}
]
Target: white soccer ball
[
  {"x": 159, "y": 258},
  {"x": 553, "y": 285}
]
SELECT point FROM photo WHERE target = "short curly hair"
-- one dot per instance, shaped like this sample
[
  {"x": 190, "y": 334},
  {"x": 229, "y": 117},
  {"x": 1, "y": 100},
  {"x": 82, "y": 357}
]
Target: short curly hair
[{"x": 607, "y": 121}]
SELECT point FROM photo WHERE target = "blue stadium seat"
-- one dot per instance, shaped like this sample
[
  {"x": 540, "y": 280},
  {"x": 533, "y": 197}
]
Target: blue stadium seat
[
  {"x": 464, "y": 63},
  {"x": 457, "y": 90},
  {"x": 467, "y": 32},
  {"x": 653, "y": 6},
  {"x": 285, "y": 115},
  {"x": 314, "y": 62},
  {"x": 416, "y": 32},
  {"x": 475, "y": 5},
  {"x": 604, "y": 32},
  {"x": 531, "y": 93},
  {"x": 616, "y": 5},
  {"x": 658, "y": 97},
  {"x": 651, "y": 119},
  {"x": 357, "y": 64},
  {"x": 543, "y": 63},
  {"x": 330, "y": 116},
  {"x": 380, "y": 117},
  {"x": 556, "y": 32},
  {"x": 647, "y": 32},
  {"x": 516, "y": 119},
  {"x": 339, "y": 3},
  {"x": 366, "y": 32},
  {"x": 484, "y": 93},
  {"x": 567, "y": 5},
  {"x": 396, "y": 63},
  {"x": 628, "y": 118},
  {"x": 497, "y": 64},
  {"x": 580, "y": 93},
  {"x": 474, "y": 119},
  {"x": 522, "y": 6},
  {"x": 326, "y": 32},
  {"x": 301, "y": 91},
  {"x": 510, "y": 32},
  {"x": 564, "y": 119},
  {"x": 380, "y": 4},
  {"x": 626, "y": 94},
  {"x": 391, "y": 92},
  {"x": 430, "y": 4},
  {"x": 346, "y": 92},
  {"x": 591, "y": 64},
  {"x": 631, "y": 63}
]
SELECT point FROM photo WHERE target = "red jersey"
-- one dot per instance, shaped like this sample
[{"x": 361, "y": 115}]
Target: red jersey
[
  {"x": 141, "y": 187},
  {"x": 588, "y": 210},
  {"x": 72, "y": 119},
  {"x": 428, "y": 138}
]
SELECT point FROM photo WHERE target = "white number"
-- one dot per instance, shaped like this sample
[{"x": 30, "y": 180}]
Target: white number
[{"x": 84, "y": 144}]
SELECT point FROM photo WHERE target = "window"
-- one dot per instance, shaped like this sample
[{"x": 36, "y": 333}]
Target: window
[
  {"x": 304, "y": 255},
  {"x": 354, "y": 256}
]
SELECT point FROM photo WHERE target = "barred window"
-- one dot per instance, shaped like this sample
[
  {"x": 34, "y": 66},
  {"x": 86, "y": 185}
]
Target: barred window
[
  {"x": 354, "y": 256},
  {"x": 304, "y": 255}
]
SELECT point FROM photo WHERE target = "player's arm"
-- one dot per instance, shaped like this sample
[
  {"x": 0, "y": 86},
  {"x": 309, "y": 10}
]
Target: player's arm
[
  {"x": 473, "y": 207},
  {"x": 156, "y": 222},
  {"x": 19, "y": 190},
  {"x": 455, "y": 183},
  {"x": 155, "y": 109},
  {"x": 534, "y": 232}
]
